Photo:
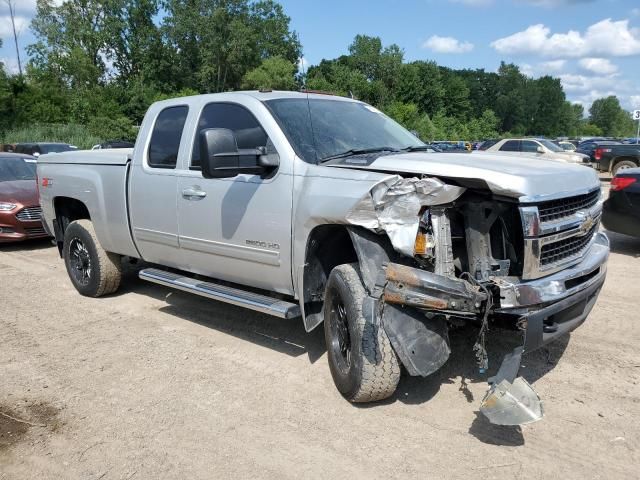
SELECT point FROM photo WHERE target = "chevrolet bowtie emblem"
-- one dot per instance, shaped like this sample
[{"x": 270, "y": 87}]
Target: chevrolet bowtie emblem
[{"x": 587, "y": 224}]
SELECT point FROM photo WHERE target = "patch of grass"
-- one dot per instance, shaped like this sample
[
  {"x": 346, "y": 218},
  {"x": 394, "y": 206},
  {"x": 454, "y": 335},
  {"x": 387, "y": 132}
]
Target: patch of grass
[{"x": 73, "y": 134}]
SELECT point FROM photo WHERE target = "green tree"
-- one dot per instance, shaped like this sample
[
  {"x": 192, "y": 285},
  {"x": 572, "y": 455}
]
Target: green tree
[
  {"x": 610, "y": 117},
  {"x": 216, "y": 42},
  {"x": 456, "y": 95},
  {"x": 72, "y": 40},
  {"x": 276, "y": 73},
  {"x": 421, "y": 83},
  {"x": 510, "y": 98},
  {"x": 546, "y": 111}
]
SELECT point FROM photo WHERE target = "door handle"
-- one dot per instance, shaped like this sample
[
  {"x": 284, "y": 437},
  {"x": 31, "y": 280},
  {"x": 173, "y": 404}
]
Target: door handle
[{"x": 193, "y": 193}]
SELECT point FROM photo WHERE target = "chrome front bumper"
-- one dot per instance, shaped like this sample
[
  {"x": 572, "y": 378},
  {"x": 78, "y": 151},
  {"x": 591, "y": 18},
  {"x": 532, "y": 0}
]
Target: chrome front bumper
[
  {"x": 515, "y": 293},
  {"x": 549, "y": 307}
]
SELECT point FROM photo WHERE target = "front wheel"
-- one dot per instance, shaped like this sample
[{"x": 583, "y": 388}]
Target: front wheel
[
  {"x": 363, "y": 364},
  {"x": 93, "y": 271}
]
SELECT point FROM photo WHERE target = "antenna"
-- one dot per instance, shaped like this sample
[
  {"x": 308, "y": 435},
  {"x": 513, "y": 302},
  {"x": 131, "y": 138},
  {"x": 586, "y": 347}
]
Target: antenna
[{"x": 304, "y": 79}]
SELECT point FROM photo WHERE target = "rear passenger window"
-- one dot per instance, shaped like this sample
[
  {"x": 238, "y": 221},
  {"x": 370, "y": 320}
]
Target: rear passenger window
[
  {"x": 511, "y": 146},
  {"x": 249, "y": 133},
  {"x": 166, "y": 135}
]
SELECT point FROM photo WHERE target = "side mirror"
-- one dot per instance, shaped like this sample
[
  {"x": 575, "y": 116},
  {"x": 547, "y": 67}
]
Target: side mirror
[
  {"x": 221, "y": 158},
  {"x": 540, "y": 149}
]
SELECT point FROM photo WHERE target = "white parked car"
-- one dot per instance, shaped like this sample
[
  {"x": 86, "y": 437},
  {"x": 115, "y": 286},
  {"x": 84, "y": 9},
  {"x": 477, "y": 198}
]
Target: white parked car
[
  {"x": 536, "y": 147},
  {"x": 567, "y": 146}
]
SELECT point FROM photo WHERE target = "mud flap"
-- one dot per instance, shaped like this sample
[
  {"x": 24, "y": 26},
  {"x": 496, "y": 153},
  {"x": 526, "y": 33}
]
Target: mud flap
[
  {"x": 511, "y": 400},
  {"x": 422, "y": 344}
]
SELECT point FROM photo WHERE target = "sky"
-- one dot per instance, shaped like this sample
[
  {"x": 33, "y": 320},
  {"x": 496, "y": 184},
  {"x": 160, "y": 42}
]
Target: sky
[{"x": 593, "y": 46}]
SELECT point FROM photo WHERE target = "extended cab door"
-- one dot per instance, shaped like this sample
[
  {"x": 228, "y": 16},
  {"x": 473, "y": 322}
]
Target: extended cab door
[
  {"x": 237, "y": 229},
  {"x": 153, "y": 186}
]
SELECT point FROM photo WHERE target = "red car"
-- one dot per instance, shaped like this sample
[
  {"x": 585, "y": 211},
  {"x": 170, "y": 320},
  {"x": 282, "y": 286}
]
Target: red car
[{"x": 20, "y": 213}]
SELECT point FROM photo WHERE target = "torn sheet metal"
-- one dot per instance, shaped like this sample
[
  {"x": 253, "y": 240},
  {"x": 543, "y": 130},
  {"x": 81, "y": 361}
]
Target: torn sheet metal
[
  {"x": 514, "y": 403},
  {"x": 394, "y": 205},
  {"x": 511, "y": 400}
]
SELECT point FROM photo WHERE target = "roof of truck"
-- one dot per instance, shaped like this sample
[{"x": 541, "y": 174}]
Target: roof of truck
[{"x": 264, "y": 95}]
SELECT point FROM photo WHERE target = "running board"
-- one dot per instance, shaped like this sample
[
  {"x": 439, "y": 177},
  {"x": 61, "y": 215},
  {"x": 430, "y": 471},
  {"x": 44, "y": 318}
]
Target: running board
[{"x": 222, "y": 293}]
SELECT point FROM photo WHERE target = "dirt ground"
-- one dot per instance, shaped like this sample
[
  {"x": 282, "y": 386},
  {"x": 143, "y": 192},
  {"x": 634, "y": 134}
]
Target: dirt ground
[{"x": 152, "y": 383}]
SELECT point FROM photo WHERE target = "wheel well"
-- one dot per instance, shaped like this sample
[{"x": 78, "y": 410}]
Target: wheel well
[
  {"x": 327, "y": 247},
  {"x": 67, "y": 210}
]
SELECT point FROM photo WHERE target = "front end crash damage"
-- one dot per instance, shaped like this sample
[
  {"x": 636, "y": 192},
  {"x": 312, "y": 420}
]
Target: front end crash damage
[{"x": 450, "y": 256}]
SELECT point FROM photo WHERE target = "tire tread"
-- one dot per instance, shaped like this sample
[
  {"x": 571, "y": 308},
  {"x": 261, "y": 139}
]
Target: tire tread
[
  {"x": 380, "y": 365},
  {"x": 109, "y": 265}
]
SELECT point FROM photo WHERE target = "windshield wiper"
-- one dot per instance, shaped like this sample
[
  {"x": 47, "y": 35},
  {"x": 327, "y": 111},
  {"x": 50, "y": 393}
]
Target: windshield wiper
[
  {"x": 358, "y": 151},
  {"x": 417, "y": 148}
]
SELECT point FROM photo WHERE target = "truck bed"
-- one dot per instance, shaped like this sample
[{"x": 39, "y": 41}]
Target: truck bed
[{"x": 99, "y": 179}]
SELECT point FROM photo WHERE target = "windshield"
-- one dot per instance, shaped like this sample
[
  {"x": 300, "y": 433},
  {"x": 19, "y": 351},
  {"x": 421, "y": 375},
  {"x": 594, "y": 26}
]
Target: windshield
[
  {"x": 12, "y": 169},
  {"x": 319, "y": 128},
  {"x": 551, "y": 146}
]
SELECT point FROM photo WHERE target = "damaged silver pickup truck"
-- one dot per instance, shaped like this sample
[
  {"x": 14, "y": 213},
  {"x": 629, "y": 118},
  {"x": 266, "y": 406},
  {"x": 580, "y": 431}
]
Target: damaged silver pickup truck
[{"x": 321, "y": 207}]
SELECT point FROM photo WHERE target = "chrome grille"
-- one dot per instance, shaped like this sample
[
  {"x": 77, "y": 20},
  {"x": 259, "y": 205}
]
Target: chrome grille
[
  {"x": 29, "y": 214},
  {"x": 559, "y": 232},
  {"x": 555, "y": 252},
  {"x": 565, "y": 207}
]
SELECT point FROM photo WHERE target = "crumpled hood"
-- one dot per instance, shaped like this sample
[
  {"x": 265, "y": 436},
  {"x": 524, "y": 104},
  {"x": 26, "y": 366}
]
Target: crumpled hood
[
  {"x": 24, "y": 192},
  {"x": 526, "y": 179}
]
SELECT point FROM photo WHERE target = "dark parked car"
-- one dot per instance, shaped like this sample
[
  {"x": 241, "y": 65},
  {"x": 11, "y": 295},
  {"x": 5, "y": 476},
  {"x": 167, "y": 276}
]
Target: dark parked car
[
  {"x": 113, "y": 144},
  {"x": 37, "y": 149},
  {"x": 621, "y": 211},
  {"x": 589, "y": 148},
  {"x": 615, "y": 158},
  {"x": 20, "y": 213}
]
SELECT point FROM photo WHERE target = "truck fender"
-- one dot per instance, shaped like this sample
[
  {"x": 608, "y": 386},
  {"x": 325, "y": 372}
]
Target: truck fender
[
  {"x": 373, "y": 252},
  {"x": 421, "y": 343}
]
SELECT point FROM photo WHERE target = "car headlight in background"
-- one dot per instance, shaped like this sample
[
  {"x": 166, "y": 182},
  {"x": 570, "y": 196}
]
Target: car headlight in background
[{"x": 7, "y": 207}]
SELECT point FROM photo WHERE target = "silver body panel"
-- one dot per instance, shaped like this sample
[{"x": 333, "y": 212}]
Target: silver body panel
[
  {"x": 100, "y": 186},
  {"x": 255, "y": 231}
]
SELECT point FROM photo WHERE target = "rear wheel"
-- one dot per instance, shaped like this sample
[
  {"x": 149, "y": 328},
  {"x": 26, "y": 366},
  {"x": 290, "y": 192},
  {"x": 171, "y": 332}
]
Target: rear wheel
[
  {"x": 623, "y": 165},
  {"x": 363, "y": 364},
  {"x": 93, "y": 271}
]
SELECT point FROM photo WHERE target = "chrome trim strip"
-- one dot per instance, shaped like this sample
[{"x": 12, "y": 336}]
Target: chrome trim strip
[
  {"x": 254, "y": 301},
  {"x": 240, "y": 252}
]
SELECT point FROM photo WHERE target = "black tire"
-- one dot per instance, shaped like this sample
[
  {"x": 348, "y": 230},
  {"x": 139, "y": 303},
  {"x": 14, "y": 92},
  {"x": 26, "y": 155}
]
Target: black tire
[
  {"x": 622, "y": 165},
  {"x": 363, "y": 364},
  {"x": 92, "y": 271}
]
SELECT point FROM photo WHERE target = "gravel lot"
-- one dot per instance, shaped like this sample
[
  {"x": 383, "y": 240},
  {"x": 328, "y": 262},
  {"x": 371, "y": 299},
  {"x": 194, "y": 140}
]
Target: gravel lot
[{"x": 151, "y": 383}]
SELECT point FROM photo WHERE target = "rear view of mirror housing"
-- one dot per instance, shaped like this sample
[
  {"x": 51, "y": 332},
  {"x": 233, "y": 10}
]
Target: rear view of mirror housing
[{"x": 221, "y": 158}]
